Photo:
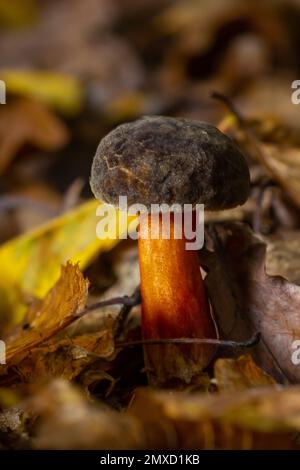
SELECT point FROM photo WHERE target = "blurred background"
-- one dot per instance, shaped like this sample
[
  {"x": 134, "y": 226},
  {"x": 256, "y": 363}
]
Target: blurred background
[{"x": 74, "y": 70}]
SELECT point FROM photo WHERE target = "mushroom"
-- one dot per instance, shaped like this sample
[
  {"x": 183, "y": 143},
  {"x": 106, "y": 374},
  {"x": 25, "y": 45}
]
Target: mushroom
[{"x": 164, "y": 160}]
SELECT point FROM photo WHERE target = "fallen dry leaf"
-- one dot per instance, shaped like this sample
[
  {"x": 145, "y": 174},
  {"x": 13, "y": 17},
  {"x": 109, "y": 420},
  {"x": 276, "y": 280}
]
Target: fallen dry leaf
[
  {"x": 28, "y": 122},
  {"x": 56, "y": 311},
  {"x": 30, "y": 264},
  {"x": 240, "y": 374},
  {"x": 257, "y": 302},
  {"x": 278, "y": 150},
  {"x": 266, "y": 417},
  {"x": 66, "y": 357}
]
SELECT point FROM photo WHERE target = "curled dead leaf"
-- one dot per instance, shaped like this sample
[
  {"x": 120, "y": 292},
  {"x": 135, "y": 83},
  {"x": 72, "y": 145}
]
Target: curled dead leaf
[
  {"x": 55, "y": 312},
  {"x": 67, "y": 357}
]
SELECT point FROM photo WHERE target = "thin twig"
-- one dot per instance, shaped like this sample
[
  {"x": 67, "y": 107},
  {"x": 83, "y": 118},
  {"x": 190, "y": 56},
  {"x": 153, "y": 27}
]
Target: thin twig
[
  {"x": 218, "y": 342},
  {"x": 129, "y": 301}
]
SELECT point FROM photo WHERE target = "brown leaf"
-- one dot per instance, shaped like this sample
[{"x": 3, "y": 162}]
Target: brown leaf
[
  {"x": 268, "y": 304},
  {"x": 28, "y": 122},
  {"x": 259, "y": 418},
  {"x": 276, "y": 147},
  {"x": 66, "y": 358},
  {"x": 240, "y": 374},
  {"x": 55, "y": 312}
]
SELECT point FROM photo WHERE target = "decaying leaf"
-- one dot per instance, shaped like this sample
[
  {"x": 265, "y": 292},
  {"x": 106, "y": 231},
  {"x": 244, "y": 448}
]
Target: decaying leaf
[
  {"x": 240, "y": 374},
  {"x": 63, "y": 301},
  {"x": 66, "y": 357},
  {"x": 259, "y": 302},
  {"x": 28, "y": 122}
]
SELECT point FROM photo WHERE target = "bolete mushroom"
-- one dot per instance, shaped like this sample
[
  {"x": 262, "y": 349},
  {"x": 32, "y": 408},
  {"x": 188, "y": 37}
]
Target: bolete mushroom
[{"x": 163, "y": 160}]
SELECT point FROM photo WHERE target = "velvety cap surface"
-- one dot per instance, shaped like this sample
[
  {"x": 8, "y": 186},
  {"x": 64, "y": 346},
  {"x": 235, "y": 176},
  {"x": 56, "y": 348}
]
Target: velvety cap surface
[{"x": 159, "y": 159}]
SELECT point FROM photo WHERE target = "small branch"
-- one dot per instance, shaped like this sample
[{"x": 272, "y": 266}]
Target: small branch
[
  {"x": 218, "y": 342},
  {"x": 128, "y": 301}
]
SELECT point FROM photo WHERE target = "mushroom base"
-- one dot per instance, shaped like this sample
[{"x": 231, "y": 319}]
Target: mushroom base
[{"x": 174, "y": 305}]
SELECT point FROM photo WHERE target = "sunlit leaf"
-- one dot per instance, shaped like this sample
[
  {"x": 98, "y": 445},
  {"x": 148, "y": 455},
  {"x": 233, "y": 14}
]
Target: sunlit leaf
[
  {"x": 30, "y": 264},
  {"x": 65, "y": 299},
  {"x": 60, "y": 91}
]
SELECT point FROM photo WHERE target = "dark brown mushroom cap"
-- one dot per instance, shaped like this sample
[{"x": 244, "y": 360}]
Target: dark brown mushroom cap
[{"x": 159, "y": 159}]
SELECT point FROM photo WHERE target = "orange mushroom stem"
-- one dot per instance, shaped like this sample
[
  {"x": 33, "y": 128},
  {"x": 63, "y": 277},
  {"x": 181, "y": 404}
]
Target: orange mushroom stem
[{"x": 174, "y": 304}]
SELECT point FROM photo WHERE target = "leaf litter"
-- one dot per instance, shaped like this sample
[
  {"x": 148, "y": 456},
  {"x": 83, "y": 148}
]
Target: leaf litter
[{"x": 74, "y": 378}]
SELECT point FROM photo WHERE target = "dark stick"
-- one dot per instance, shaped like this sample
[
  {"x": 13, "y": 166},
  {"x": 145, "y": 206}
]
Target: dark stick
[
  {"x": 218, "y": 342},
  {"x": 128, "y": 301}
]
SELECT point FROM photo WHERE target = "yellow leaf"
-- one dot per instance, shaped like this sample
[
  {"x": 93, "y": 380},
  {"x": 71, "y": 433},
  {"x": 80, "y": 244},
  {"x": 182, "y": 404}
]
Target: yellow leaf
[
  {"x": 17, "y": 13},
  {"x": 30, "y": 264},
  {"x": 62, "y": 92}
]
